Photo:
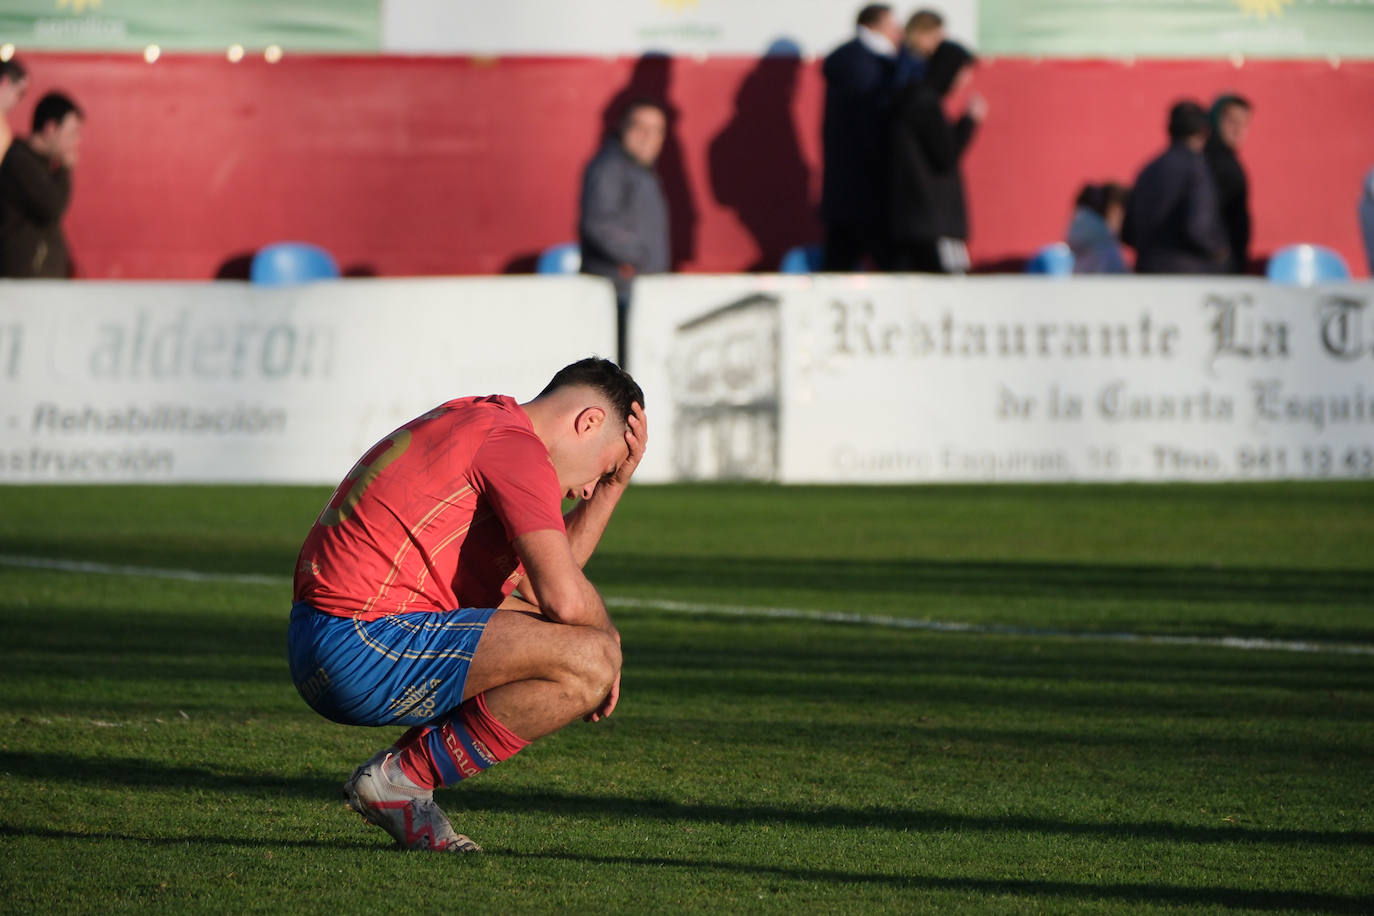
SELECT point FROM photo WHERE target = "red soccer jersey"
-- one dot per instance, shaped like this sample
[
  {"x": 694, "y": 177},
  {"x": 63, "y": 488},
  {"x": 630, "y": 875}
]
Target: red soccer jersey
[{"x": 425, "y": 520}]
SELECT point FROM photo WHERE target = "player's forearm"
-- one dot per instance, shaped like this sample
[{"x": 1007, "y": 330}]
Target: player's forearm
[
  {"x": 580, "y": 607},
  {"x": 559, "y": 587},
  {"x": 587, "y": 521}
]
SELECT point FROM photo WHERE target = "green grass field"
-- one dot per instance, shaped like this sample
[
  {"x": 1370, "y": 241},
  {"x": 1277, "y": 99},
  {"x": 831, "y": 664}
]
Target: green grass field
[{"x": 154, "y": 754}]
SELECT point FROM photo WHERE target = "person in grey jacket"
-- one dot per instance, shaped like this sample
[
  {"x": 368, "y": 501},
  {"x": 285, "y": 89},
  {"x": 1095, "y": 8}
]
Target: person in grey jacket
[{"x": 623, "y": 229}]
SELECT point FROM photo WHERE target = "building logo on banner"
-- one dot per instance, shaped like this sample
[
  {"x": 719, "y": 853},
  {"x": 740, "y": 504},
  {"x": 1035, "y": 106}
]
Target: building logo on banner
[{"x": 726, "y": 389}]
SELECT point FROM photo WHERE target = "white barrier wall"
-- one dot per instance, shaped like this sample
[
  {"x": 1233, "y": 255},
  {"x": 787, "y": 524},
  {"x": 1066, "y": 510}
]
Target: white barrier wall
[
  {"x": 865, "y": 379},
  {"x": 872, "y": 379},
  {"x": 228, "y": 382}
]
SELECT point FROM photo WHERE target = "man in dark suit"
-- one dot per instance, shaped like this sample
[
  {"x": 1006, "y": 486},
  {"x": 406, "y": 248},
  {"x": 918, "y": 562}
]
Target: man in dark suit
[
  {"x": 860, "y": 83},
  {"x": 1172, "y": 220}
]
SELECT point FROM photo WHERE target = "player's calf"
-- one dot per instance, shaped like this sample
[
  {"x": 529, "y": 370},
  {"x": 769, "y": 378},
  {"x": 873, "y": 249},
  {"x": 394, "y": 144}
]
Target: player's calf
[{"x": 464, "y": 744}]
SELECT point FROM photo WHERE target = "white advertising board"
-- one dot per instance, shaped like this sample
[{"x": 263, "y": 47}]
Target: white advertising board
[
  {"x": 866, "y": 379},
  {"x": 634, "y": 27},
  {"x": 229, "y": 382}
]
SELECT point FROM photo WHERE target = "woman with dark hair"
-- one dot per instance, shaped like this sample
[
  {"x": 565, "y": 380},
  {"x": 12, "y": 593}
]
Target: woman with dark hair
[
  {"x": 1095, "y": 229},
  {"x": 928, "y": 218}
]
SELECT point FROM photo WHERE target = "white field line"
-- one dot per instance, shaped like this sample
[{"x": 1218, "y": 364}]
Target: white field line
[
  {"x": 144, "y": 572},
  {"x": 749, "y": 611}
]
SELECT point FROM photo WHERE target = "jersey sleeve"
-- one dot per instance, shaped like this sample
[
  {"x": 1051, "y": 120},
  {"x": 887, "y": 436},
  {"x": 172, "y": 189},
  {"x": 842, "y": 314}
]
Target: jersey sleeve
[{"x": 518, "y": 480}]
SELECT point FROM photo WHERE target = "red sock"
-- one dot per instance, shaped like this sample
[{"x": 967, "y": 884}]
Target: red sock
[{"x": 468, "y": 742}]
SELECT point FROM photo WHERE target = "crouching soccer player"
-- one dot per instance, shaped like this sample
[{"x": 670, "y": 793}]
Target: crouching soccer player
[{"x": 404, "y": 608}]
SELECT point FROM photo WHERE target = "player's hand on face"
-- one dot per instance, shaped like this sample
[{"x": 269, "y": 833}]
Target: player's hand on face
[{"x": 636, "y": 437}]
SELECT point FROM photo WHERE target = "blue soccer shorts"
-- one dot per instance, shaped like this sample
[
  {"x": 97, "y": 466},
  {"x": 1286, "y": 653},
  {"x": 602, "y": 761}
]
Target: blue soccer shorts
[{"x": 402, "y": 669}]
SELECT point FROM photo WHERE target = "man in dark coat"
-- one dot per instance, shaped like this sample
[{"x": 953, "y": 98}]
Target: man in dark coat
[
  {"x": 623, "y": 227},
  {"x": 35, "y": 189},
  {"x": 1230, "y": 123},
  {"x": 860, "y": 79},
  {"x": 928, "y": 219},
  {"x": 1172, "y": 220}
]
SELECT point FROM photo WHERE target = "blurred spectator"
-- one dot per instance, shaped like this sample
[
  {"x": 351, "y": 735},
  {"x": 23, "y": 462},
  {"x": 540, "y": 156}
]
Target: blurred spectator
[
  {"x": 859, "y": 85},
  {"x": 924, "y": 32},
  {"x": 929, "y": 219},
  {"x": 623, "y": 229},
  {"x": 14, "y": 79},
  {"x": 35, "y": 189},
  {"x": 1367, "y": 219},
  {"x": 1230, "y": 123},
  {"x": 1172, "y": 220},
  {"x": 1095, "y": 229}
]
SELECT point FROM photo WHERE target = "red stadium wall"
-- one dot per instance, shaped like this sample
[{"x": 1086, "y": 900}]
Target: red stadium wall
[{"x": 457, "y": 166}]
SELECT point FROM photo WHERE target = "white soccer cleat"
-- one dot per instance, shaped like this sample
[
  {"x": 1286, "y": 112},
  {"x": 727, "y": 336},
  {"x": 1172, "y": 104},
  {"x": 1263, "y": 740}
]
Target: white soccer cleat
[{"x": 409, "y": 815}]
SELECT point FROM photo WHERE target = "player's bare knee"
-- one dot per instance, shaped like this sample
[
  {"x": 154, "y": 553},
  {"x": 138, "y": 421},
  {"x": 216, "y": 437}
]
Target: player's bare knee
[
  {"x": 610, "y": 659},
  {"x": 597, "y": 665}
]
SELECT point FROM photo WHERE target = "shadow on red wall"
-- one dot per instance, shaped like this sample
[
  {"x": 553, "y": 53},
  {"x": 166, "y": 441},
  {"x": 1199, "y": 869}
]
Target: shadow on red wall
[{"x": 757, "y": 168}]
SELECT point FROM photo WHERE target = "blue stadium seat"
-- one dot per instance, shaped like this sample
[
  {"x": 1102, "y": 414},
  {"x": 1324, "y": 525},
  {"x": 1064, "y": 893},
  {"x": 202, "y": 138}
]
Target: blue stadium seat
[
  {"x": 1305, "y": 265},
  {"x": 1055, "y": 260},
  {"x": 292, "y": 262},
  {"x": 560, "y": 259},
  {"x": 804, "y": 259}
]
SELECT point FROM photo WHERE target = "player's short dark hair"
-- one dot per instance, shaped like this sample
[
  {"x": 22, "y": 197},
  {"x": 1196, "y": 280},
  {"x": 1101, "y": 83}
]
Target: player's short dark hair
[
  {"x": 872, "y": 14},
  {"x": 925, "y": 20},
  {"x": 12, "y": 70},
  {"x": 53, "y": 107},
  {"x": 627, "y": 114},
  {"x": 603, "y": 375},
  {"x": 1187, "y": 119}
]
